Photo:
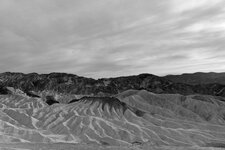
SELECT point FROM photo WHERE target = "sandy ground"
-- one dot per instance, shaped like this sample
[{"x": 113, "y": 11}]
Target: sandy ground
[{"x": 66, "y": 146}]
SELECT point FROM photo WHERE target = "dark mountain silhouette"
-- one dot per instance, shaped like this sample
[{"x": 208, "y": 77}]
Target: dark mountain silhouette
[
  {"x": 198, "y": 78},
  {"x": 73, "y": 84}
]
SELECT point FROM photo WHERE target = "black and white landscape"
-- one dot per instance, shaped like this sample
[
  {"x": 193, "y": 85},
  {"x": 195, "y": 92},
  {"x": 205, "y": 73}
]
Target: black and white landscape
[
  {"x": 112, "y": 74},
  {"x": 66, "y": 111}
]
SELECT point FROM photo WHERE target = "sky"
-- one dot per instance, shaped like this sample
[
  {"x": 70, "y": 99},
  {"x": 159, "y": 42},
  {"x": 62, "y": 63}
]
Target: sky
[{"x": 108, "y": 38}]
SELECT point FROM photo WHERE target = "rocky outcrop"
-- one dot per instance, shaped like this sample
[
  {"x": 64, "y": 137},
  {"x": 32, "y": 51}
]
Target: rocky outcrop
[
  {"x": 73, "y": 84},
  {"x": 50, "y": 100}
]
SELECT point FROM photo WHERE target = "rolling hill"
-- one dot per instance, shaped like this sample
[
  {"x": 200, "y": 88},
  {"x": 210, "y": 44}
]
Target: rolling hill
[
  {"x": 65, "y": 111},
  {"x": 133, "y": 119}
]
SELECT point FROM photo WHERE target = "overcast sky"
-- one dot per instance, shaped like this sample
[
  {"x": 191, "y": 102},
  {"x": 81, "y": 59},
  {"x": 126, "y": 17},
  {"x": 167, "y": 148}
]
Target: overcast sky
[{"x": 103, "y": 38}]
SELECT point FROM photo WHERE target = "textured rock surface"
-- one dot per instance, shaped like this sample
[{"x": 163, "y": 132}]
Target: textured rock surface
[
  {"x": 131, "y": 120},
  {"x": 198, "y": 78},
  {"x": 65, "y": 111},
  {"x": 72, "y": 84}
]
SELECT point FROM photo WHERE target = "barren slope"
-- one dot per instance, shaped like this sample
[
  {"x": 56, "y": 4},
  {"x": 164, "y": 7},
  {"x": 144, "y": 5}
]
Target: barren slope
[
  {"x": 137, "y": 119},
  {"x": 198, "y": 78}
]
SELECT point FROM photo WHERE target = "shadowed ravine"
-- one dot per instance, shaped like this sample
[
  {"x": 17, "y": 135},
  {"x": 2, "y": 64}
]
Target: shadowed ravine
[{"x": 135, "y": 119}]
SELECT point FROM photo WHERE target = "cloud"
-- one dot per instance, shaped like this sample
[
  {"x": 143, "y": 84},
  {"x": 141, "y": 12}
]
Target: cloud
[{"x": 111, "y": 38}]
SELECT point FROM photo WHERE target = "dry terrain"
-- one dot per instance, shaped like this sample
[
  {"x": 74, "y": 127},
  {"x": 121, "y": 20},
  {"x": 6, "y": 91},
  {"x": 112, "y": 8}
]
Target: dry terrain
[{"x": 134, "y": 119}]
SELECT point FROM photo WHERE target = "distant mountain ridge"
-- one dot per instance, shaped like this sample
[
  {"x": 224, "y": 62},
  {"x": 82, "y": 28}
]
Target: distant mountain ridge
[
  {"x": 198, "y": 78},
  {"x": 73, "y": 84}
]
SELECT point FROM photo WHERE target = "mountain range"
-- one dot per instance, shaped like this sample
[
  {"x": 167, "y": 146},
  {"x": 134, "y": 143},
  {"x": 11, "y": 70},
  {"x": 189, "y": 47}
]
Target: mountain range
[
  {"x": 198, "y": 78},
  {"x": 73, "y": 84},
  {"x": 65, "y": 111}
]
